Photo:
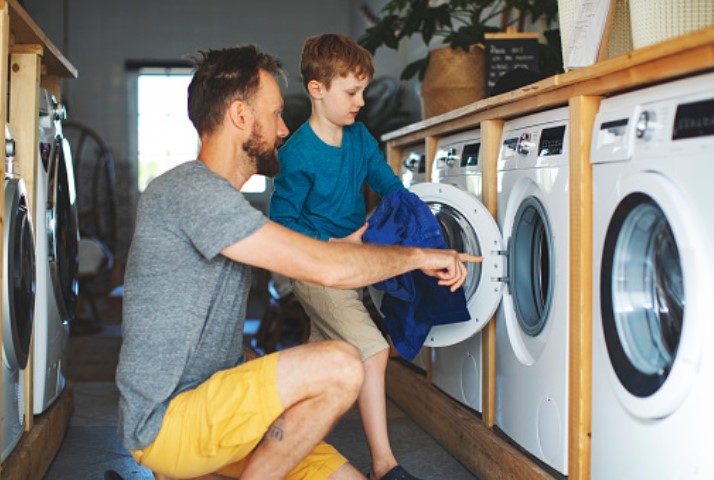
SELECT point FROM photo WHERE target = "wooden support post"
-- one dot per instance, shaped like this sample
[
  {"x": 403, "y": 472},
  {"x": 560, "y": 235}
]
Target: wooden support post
[
  {"x": 430, "y": 152},
  {"x": 582, "y": 118},
  {"x": 491, "y": 131},
  {"x": 24, "y": 107},
  {"x": 4, "y": 46}
]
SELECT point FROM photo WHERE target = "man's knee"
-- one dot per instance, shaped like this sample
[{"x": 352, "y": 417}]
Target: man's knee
[{"x": 345, "y": 365}]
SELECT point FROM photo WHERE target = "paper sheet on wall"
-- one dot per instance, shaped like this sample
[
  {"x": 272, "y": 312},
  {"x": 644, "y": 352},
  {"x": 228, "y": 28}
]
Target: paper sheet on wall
[{"x": 588, "y": 29}]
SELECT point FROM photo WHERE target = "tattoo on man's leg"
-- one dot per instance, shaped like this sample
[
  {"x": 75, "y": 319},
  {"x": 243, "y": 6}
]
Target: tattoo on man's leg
[{"x": 275, "y": 431}]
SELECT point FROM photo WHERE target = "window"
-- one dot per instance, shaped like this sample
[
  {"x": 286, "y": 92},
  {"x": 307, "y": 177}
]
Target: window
[{"x": 165, "y": 135}]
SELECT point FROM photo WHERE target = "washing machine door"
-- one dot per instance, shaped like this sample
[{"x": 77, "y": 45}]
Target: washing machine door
[
  {"x": 468, "y": 227},
  {"x": 63, "y": 229},
  {"x": 18, "y": 275},
  {"x": 650, "y": 287}
]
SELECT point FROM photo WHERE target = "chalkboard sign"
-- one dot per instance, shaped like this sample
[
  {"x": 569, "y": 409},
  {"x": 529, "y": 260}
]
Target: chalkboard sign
[{"x": 508, "y": 51}]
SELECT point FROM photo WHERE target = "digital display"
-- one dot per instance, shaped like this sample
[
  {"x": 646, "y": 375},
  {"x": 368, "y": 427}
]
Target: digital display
[
  {"x": 469, "y": 157},
  {"x": 616, "y": 127},
  {"x": 694, "y": 120},
  {"x": 551, "y": 141},
  {"x": 511, "y": 143}
]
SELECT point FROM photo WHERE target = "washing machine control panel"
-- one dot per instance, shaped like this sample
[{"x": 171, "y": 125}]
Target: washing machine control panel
[
  {"x": 413, "y": 166},
  {"x": 457, "y": 155},
  {"x": 668, "y": 127},
  {"x": 537, "y": 146}
]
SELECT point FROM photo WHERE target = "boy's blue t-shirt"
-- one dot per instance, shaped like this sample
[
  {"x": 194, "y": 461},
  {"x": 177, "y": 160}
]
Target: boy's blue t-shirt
[{"x": 319, "y": 189}]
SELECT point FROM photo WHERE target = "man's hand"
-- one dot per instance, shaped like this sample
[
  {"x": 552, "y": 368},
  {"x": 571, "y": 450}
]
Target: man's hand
[
  {"x": 451, "y": 271},
  {"x": 354, "y": 237}
]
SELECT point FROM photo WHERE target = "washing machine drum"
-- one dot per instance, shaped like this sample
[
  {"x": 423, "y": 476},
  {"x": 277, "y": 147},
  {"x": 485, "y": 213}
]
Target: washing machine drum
[
  {"x": 460, "y": 236},
  {"x": 63, "y": 229},
  {"x": 642, "y": 295},
  {"x": 18, "y": 275}
]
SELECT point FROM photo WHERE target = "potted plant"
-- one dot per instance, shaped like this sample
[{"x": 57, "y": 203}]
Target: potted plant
[{"x": 461, "y": 26}]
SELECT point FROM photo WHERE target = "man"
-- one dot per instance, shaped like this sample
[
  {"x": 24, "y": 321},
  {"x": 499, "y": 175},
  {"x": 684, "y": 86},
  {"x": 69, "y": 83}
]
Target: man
[{"x": 189, "y": 406}]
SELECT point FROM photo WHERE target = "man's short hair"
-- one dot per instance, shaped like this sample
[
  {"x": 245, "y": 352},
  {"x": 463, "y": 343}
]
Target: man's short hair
[
  {"x": 328, "y": 56},
  {"x": 222, "y": 76}
]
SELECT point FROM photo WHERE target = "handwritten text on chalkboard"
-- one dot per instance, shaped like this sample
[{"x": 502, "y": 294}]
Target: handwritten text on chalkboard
[{"x": 506, "y": 54}]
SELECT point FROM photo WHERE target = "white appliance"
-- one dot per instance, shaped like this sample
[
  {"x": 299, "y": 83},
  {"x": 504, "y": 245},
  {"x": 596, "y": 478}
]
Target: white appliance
[
  {"x": 56, "y": 253},
  {"x": 457, "y": 369},
  {"x": 653, "y": 264},
  {"x": 532, "y": 322},
  {"x": 18, "y": 284},
  {"x": 413, "y": 168}
]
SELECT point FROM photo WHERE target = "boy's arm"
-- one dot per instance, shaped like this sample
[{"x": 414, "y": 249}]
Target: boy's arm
[
  {"x": 291, "y": 188},
  {"x": 342, "y": 264},
  {"x": 380, "y": 176}
]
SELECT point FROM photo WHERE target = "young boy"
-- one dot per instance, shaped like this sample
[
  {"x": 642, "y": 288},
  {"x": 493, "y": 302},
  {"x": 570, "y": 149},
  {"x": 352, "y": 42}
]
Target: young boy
[{"x": 319, "y": 193}]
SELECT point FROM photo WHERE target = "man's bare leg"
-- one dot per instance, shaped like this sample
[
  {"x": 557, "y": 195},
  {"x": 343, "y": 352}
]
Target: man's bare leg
[{"x": 317, "y": 383}]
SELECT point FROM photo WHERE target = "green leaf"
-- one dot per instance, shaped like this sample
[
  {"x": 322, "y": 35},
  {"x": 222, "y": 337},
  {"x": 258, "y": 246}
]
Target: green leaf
[
  {"x": 418, "y": 66},
  {"x": 428, "y": 30}
]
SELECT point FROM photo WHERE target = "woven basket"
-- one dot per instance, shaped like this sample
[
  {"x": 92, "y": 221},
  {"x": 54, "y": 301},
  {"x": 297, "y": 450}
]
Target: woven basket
[
  {"x": 453, "y": 79},
  {"x": 657, "y": 20}
]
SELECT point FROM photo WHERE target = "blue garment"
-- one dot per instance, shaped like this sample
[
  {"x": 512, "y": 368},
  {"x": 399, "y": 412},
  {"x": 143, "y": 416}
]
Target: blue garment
[
  {"x": 318, "y": 191},
  {"x": 413, "y": 302}
]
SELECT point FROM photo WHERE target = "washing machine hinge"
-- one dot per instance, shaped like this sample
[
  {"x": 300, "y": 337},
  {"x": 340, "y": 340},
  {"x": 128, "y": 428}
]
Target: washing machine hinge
[{"x": 505, "y": 279}]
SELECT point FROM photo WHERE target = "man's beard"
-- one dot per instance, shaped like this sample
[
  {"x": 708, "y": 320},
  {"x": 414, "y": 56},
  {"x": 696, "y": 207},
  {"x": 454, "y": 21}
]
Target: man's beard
[{"x": 264, "y": 156}]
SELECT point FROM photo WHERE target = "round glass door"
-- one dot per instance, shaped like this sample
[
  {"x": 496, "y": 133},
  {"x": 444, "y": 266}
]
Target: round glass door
[
  {"x": 531, "y": 266},
  {"x": 19, "y": 277},
  {"x": 63, "y": 230},
  {"x": 642, "y": 295},
  {"x": 468, "y": 227}
]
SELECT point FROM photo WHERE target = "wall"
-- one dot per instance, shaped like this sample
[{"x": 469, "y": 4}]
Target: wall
[{"x": 98, "y": 37}]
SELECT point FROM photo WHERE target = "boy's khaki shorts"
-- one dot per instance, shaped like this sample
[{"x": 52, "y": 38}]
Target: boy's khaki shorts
[
  {"x": 214, "y": 427},
  {"x": 339, "y": 315}
]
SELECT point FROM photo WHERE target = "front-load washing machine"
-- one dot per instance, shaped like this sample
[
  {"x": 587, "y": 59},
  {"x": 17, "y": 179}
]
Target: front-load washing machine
[
  {"x": 457, "y": 369},
  {"x": 653, "y": 234},
  {"x": 57, "y": 253},
  {"x": 413, "y": 167},
  {"x": 532, "y": 321},
  {"x": 18, "y": 296}
]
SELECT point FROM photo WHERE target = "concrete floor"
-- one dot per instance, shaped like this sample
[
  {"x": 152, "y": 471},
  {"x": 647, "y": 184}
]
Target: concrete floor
[{"x": 91, "y": 444}]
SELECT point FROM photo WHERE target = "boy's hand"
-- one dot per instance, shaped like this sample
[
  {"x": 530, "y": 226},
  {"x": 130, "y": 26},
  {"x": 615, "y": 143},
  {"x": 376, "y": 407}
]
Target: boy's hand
[{"x": 354, "y": 237}]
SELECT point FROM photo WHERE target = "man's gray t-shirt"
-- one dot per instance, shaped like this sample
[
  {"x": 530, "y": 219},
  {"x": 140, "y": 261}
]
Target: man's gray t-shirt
[{"x": 184, "y": 302}]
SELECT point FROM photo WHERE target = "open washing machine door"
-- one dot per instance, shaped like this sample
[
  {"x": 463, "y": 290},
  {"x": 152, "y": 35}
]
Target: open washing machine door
[
  {"x": 63, "y": 228},
  {"x": 18, "y": 275},
  {"x": 468, "y": 227}
]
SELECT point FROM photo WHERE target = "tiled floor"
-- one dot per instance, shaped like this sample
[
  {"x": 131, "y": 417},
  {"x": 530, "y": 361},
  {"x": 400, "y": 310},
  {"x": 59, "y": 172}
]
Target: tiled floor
[{"x": 91, "y": 444}]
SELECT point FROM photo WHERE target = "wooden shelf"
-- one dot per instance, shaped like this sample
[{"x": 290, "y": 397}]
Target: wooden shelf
[
  {"x": 24, "y": 31},
  {"x": 674, "y": 58},
  {"x": 471, "y": 438}
]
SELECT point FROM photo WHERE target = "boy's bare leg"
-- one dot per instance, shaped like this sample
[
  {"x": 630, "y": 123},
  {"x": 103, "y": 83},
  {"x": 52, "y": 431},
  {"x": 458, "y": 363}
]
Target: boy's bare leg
[
  {"x": 373, "y": 410},
  {"x": 317, "y": 383}
]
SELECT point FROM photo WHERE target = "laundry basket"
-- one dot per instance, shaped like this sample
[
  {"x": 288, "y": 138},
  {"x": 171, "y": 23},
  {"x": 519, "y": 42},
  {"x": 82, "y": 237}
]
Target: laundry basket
[{"x": 657, "y": 20}]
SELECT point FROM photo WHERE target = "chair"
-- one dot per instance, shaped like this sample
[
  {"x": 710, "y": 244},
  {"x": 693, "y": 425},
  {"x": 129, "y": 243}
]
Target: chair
[{"x": 95, "y": 181}]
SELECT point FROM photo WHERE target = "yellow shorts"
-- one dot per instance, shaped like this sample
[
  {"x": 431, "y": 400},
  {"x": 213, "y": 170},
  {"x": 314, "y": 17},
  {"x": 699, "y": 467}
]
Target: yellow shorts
[
  {"x": 214, "y": 427},
  {"x": 337, "y": 314}
]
